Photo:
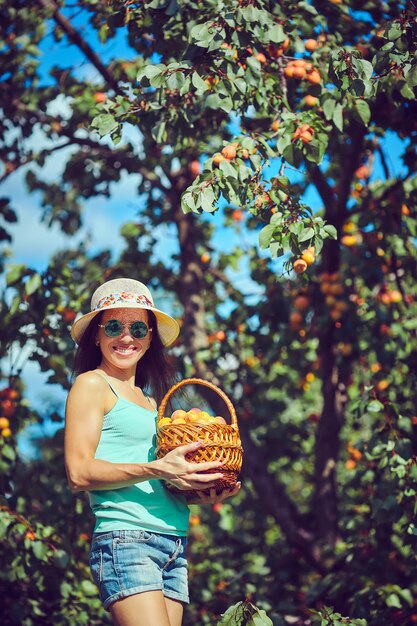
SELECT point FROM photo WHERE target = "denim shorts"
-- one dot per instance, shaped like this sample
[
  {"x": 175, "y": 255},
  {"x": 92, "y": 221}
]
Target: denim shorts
[{"x": 126, "y": 562}]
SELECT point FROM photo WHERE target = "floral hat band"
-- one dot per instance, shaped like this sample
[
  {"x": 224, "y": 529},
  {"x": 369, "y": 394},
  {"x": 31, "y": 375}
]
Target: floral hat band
[
  {"x": 130, "y": 294},
  {"x": 122, "y": 298}
]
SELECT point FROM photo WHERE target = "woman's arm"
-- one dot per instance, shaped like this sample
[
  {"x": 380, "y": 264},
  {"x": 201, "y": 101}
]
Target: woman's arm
[{"x": 83, "y": 422}]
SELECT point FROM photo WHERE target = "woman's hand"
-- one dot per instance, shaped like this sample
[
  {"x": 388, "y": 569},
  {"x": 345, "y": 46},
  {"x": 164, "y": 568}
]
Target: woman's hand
[
  {"x": 213, "y": 497},
  {"x": 183, "y": 474}
]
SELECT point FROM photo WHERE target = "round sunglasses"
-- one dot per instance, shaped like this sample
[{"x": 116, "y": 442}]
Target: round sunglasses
[{"x": 114, "y": 328}]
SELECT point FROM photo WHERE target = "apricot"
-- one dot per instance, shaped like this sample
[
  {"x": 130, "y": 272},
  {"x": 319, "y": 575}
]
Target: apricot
[
  {"x": 220, "y": 420},
  {"x": 6, "y": 432},
  {"x": 314, "y": 77},
  {"x": 195, "y": 168},
  {"x": 229, "y": 152},
  {"x": 301, "y": 303},
  {"x": 310, "y": 100},
  {"x": 308, "y": 256},
  {"x": 193, "y": 416},
  {"x": 277, "y": 51},
  {"x": 205, "y": 257},
  {"x": 289, "y": 71},
  {"x": 178, "y": 420},
  {"x": 299, "y": 266},
  {"x": 299, "y": 73},
  {"x": 275, "y": 125},
  {"x": 7, "y": 408},
  {"x": 260, "y": 57},
  {"x": 217, "y": 158},
  {"x": 395, "y": 296},
  {"x": 179, "y": 413},
  {"x": 362, "y": 172},
  {"x": 237, "y": 215},
  {"x": 310, "y": 45},
  {"x": 30, "y": 535},
  {"x": 349, "y": 228},
  {"x": 99, "y": 97},
  {"x": 295, "y": 318},
  {"x": 4, "y": 423},
  {"x": 349, "y": 240},
  {"x": 164, "y": 422}
]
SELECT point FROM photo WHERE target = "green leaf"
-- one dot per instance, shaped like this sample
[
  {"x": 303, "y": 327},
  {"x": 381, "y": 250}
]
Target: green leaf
[
  {"x": 265, "y": 236},
  {"x": 338, "y": 117},
  {"x": 233, "y": 616},
  {"x": 260, "y": 618},
  {"x": 407, "y": 92},
  {"x": 208, "y": 200},
  {"x": 375, "y": 406},
  {"x": 15, "y": 273},
  {"x": 105, "y": 123},
  {"x": 328, "y": 108},
  {"x": 307, "y": 233},
  {"x": 411, "y": 76},
  {"x": 393, "y": 601},
  {"x": 198, "y": 82},
  {"x": 149, "y": 71},
  {"x": 159, "y": 132},
  {"x": 88, "y": 588},
  {"x": 228, "y": 170},
  {"x": 40, "y": 550},
  {"x": 331, "y": 231},
  {"x": 34, "y": 282},
  {"x": 275, "y": 34},
  {"x": 213, "y": 101},
  {"x": 363, "y": 111}
]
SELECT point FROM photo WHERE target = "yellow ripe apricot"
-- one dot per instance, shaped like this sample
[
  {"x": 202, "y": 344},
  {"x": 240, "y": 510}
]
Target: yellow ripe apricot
[
  {"x": 218, "y": 158},
  {"x": 349, "y": 240},
  {"x": 6, "y": 432},
  {"x": 395, "y": 296},
  {"x": 349, "y": 228},
  {"x": 4, "y": 423},
  {"x": 164, "y": 422},
  {"x": 308, "y": 257},
  {"x": 310, "y": 100}
]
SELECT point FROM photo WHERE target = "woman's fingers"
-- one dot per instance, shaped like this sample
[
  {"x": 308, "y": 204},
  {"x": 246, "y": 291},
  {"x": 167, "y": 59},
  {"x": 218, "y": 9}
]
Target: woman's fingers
[{"x": 205, "y": 466}]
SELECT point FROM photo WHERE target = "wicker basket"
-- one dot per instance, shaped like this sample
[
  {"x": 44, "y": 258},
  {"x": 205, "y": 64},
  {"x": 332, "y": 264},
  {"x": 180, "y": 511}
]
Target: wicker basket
[{"x": 222, "y": 440}]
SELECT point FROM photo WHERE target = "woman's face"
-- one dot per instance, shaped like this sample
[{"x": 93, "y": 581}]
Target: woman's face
[{"x": 123, "y": 351}]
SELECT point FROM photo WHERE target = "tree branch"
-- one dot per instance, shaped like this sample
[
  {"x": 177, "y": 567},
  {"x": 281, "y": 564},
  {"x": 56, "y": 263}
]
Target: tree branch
[{"x": 76, "y": 39}]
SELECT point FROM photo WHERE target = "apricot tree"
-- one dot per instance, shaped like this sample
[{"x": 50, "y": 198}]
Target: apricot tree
[{"x": 282, "y": 117}]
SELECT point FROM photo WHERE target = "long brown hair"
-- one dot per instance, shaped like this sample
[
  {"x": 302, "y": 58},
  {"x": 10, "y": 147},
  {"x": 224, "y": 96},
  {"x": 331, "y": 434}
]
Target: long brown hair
[{"x": 154, "y": 374}]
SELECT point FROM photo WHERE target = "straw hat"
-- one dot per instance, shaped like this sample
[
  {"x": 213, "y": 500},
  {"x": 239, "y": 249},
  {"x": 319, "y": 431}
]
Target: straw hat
[{"x": 126, "y": 293}]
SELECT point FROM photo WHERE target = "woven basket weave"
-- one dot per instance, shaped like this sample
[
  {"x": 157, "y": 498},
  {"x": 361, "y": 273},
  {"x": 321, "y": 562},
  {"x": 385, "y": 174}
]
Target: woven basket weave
[{"x": 222, "y": 440}]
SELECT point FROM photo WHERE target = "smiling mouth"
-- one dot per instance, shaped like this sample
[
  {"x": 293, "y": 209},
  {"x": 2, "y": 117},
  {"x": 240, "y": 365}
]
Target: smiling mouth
[{"x": 125, "y": 351}]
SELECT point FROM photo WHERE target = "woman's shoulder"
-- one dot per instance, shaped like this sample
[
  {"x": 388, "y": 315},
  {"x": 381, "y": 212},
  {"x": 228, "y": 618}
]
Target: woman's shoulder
[{"x": 90, "y": 381}]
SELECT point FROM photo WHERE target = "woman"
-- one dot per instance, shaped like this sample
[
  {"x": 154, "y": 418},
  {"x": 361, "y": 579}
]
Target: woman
[{"x": 137, "y": 553}]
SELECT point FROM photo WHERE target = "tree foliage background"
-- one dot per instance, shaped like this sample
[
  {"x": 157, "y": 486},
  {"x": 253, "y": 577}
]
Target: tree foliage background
[{"x": 247, "y": 108}]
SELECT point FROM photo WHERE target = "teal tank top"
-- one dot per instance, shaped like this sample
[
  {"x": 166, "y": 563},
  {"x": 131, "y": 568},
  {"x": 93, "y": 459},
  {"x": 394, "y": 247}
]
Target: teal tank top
[{"x": 128, "y": 436}]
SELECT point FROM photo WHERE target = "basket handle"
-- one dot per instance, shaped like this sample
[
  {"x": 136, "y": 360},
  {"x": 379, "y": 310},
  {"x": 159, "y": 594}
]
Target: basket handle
[{"x": 197, "y": 381}]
